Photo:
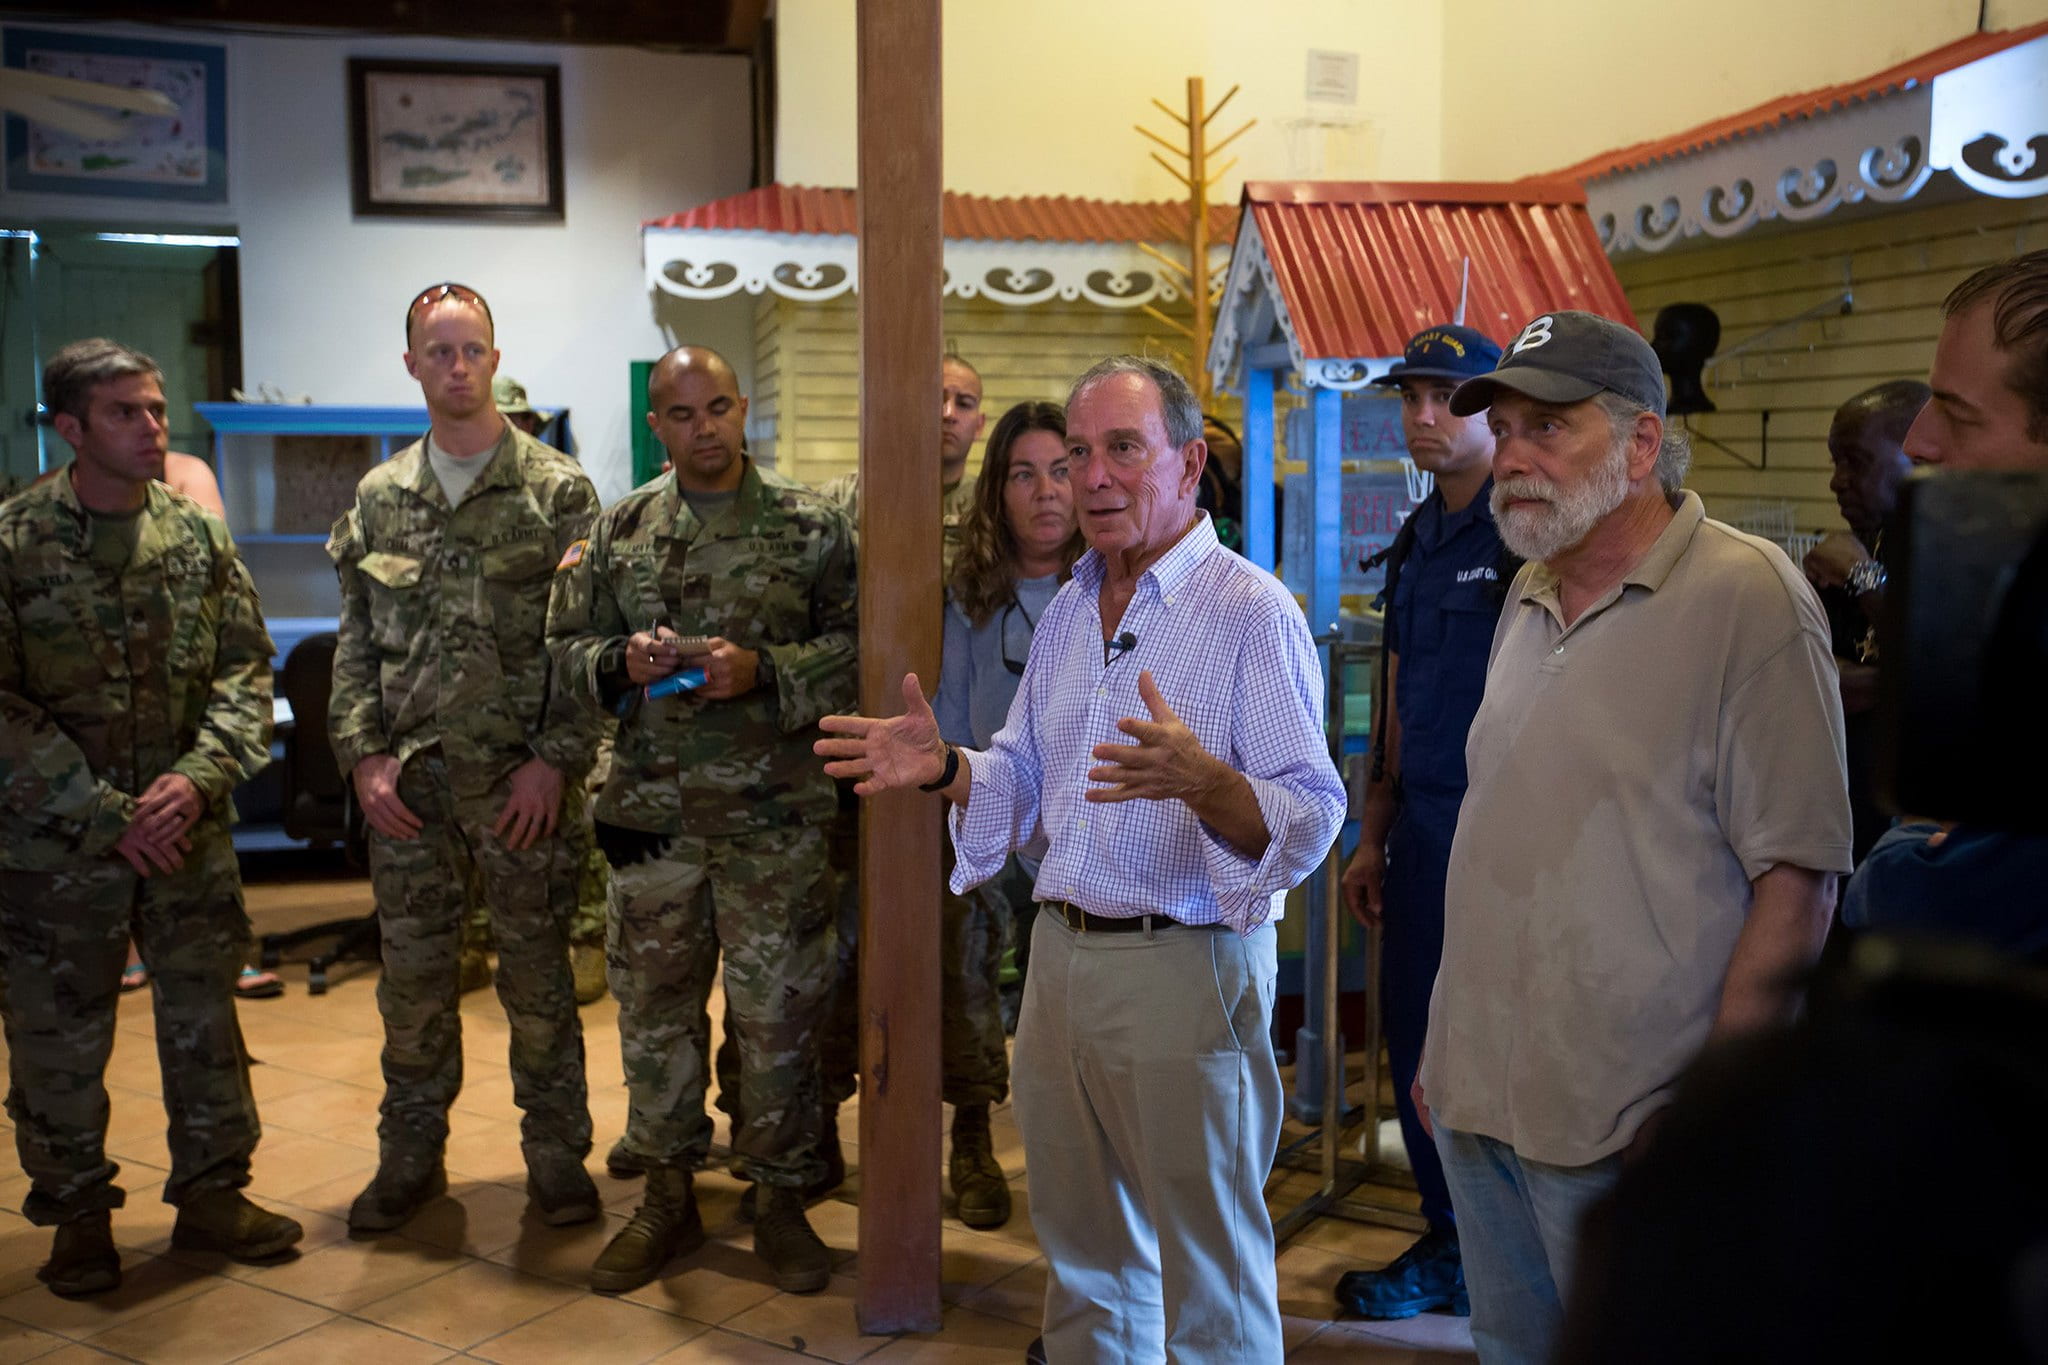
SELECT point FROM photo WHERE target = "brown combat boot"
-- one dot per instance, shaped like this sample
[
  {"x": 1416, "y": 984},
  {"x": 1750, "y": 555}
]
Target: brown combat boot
[
  {"x": 227, "y": 1222},
  {"x": 783, "y": 1238},
  {"x": 82, "y": 1257},
  {"x": 666, "y": 1225},
  {"x": 560, "y": 1188},
  {"x": 980, "y": 1194},
  {"x": 623, "y": 1162},
  {"x": 407, "y": 1180}
]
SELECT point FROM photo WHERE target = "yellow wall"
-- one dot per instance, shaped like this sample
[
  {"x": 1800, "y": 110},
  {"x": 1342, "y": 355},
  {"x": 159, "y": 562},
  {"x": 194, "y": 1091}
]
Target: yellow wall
[
  {"x": 1458, "y": 89},
  {"x": 1531, "y": 87},
  {"x": 808, "y": 357},
  {"x": 1900, "y": 265},
  {"x": 1040, "y": 97}
]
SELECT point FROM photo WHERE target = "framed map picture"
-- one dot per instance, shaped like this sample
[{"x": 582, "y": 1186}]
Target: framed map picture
[
  {"x": 183, "y": 155},
  {"x": 456, "y": 140}
]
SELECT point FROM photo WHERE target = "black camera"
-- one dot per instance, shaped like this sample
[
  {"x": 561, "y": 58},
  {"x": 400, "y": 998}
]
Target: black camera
[{"x": 1963, "y": 690}]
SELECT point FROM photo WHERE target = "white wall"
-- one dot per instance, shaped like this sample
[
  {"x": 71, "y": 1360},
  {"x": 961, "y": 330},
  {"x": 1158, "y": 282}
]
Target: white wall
[
  {"x": 324, "y": 292},
  {"x": 1532, "y": 87},
  {"x": 1040, "y": 98}
]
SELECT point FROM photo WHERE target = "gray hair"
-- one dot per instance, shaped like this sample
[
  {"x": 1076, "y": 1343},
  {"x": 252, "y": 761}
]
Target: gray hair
[
  {"x": 1674, "y": 454},
  {"x": 76, "y": 370},
  {"x": 1178, "y": 406}
]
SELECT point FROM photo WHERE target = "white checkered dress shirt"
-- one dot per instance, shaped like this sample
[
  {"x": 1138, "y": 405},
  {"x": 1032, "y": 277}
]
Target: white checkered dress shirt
[{"x": 1231, "y": 654}]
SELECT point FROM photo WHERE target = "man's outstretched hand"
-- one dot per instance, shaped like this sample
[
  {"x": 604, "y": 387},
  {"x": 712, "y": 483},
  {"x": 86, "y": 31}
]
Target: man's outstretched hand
[{"x": 901, "y": 751}]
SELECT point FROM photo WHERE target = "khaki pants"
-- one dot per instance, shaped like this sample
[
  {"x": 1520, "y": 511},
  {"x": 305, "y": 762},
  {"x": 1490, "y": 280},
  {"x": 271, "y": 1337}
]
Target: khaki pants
[{"x": 1150, "y": 1107}]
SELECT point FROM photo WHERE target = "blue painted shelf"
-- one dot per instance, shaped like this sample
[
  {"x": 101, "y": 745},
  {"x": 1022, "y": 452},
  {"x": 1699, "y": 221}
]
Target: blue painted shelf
[{"x": 311, "y": 419}]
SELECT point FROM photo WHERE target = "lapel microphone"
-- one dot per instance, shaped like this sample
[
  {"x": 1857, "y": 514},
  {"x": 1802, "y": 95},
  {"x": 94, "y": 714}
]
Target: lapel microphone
[{"x": 1112, "y": 650}]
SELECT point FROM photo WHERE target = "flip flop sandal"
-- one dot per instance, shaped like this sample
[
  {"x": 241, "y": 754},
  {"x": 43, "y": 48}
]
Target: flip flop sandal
[
  {"x": 134, "y": 977},
  {"x": 257, "y": 985}
]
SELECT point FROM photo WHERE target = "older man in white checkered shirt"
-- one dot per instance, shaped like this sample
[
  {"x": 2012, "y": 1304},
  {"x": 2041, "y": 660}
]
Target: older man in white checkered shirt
[{"x": 1167, "y": 740}]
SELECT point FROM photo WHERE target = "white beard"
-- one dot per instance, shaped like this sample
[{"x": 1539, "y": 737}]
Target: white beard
[{"x": 1570, "y": 512}]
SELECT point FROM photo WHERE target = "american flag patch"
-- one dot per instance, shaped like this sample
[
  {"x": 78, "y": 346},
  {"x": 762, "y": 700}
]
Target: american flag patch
[{"x": 572, "y": 556}]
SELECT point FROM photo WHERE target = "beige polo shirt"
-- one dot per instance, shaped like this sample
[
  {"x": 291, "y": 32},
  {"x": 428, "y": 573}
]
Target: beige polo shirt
[{"x": 1630, "y": 776}]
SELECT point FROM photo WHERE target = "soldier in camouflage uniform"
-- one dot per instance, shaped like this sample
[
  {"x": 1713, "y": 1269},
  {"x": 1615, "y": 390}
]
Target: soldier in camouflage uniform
[
  {"x": 135, "y": 694},
  {"x": 714, "y": 818},
  {"x": 459, "y": 747}
]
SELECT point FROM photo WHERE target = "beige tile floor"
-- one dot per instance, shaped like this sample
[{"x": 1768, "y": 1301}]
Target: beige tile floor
[{"x": 473, "y": 1278}]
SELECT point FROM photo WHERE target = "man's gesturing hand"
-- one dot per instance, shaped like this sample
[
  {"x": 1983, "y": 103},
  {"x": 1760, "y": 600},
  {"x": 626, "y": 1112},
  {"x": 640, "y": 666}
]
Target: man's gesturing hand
[
  {"x": 530, "y": 811},
  {"x": 1166, "y": 764},
  {"x": 376, "y": 779},
  {"x": 901, "y": 751}
]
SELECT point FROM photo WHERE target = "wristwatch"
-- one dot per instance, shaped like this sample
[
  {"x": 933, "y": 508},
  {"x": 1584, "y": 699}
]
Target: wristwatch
[
  {"x": 1866, "y": 575},
  {"x": 946, "y": 775}
]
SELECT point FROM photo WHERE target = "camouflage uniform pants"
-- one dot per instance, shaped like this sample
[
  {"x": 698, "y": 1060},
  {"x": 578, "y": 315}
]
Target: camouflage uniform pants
[
  {"x": 973, "y": 930},
  {"x": 593, "y": 879},
  {"x": 66, "y": 941},
  {"x": 422, "y": 895},
  {"x": 973, "y": 1060},
  {"x": 759, "y": 898},
  {"x": 840, "y": 1048}
]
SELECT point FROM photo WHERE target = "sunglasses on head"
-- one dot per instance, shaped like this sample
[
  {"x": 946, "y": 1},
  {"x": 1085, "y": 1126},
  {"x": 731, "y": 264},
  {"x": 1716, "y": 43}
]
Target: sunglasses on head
[{"x": 447, "y": 289}]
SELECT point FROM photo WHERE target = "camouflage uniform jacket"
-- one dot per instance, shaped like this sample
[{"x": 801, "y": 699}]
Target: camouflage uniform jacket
[
  {"x": 109, "y": 680},
  {"x": 772, "y": 572},
  {"x": 444, "y": 614},
  {"x": 954, "y": 504}
]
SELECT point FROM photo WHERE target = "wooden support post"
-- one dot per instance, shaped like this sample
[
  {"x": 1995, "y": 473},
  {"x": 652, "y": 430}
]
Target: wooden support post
[{"x": 900, "y": 603}]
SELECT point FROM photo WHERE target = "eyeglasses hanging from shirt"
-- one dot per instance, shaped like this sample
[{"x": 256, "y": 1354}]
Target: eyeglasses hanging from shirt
[{"x": 1016, "y": 663}]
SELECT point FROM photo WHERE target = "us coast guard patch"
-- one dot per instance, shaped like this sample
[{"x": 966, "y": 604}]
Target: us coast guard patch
[{"x": 572, "y": 556}]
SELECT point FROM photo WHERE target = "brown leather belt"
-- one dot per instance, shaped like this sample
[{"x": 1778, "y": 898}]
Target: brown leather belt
[{"x": 1081, "y": 922}]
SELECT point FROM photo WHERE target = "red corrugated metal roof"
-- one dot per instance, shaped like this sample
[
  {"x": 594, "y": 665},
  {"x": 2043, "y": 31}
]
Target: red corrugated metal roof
[
  {"x": 1362, "y": 267},
  {"x": 1807, "y": 104},
  {"x": 968, "y": 217}
]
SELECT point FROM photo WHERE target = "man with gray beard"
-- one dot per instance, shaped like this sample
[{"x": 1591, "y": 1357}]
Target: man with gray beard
[{"x": 1657, "y": 805}]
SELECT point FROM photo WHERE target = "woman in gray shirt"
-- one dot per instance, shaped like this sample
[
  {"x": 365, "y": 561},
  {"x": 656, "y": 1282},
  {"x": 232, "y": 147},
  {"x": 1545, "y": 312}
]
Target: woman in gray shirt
[{"x": 1018, "y": 542}]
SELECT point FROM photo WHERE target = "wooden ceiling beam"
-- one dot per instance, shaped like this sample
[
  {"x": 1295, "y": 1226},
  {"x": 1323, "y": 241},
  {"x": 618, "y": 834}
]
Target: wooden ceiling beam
[{"x": 680, "y": 25}]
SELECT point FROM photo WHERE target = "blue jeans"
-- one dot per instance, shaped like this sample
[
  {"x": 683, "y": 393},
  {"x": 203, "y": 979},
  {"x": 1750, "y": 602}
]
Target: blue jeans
[{"x": 1518, "y": 1231}]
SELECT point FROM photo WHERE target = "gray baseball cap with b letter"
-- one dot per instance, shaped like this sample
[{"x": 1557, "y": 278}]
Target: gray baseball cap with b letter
[{"x": 1567, "y": 357}]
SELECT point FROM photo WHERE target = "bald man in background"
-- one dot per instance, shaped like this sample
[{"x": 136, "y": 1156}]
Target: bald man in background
[{"x": 713, "y": 819}]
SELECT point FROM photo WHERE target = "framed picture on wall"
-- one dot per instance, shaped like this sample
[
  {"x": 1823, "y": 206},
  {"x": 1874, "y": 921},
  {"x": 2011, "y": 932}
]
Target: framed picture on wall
[
  {"x": 456, "y": 140},
  {"x": 108, "y": 149}
]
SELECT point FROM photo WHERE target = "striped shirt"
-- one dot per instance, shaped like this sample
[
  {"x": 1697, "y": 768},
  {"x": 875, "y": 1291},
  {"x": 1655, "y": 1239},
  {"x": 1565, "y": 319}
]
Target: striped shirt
[{"x": 1230, "y": 652}]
